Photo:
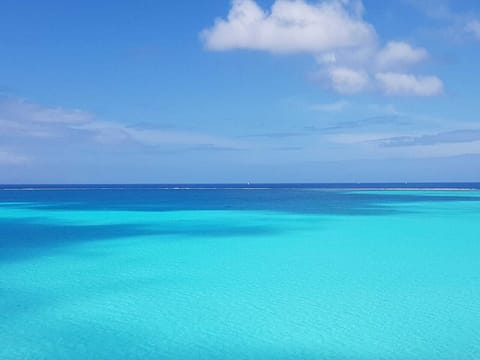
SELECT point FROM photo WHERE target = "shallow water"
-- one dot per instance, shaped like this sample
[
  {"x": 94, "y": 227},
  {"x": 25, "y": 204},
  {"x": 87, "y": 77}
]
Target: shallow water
[{"x": 228, "y": 273}]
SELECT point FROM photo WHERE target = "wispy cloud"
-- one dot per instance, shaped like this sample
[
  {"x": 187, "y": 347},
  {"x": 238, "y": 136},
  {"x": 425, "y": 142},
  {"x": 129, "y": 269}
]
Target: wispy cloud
[
  {"x": 350, "y": 57},
  {"x": 437, "y": 9},
  {"x": 274, "y": 135},
  {"x": 358, "y": 138},
  {"x": 369, "y": 122},
  {"x": 288, "y": 148},
  {"x": 385, "y": 109},
  {"x": 455, "y": 136},
  {"x": 473, "y": 27},
  {"x": 456, "y": 24},
  {"x": 11, "y": 158},
  {"x": 27, "y": 124},
  {"x": 336, "y": 106}
]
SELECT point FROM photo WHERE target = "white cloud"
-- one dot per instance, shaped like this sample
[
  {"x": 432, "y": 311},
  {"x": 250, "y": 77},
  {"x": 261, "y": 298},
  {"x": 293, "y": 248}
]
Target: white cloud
[
  {"x": 407, "y": 84},
  {"x": 348, "y": 81},
  {"x": 331, "y": 107},
  {"x": 327, "y": 58},
  {"x": 344, "y": 45},
  {"x": 398, "y": 54},
  {"x": 474, "y": 28},
  {"x": 290, "y": 26}
]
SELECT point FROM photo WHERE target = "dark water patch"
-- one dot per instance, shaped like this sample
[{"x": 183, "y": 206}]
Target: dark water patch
[
  {"x": 32, "y": 236},
  {"x": 26, "y": 236},
  {"x": 335, "y": 202}
]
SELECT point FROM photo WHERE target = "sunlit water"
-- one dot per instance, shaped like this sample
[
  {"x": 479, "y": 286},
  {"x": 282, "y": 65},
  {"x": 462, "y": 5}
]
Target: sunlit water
[{"x": 236, "y": 274}]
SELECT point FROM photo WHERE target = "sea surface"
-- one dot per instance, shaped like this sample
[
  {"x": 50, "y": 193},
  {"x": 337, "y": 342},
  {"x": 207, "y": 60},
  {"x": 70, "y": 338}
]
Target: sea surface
[{"x": 245, "y": 271}]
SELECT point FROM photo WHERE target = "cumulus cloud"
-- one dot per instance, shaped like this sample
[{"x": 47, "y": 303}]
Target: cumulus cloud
[
  {"x": 348, "y": 81},
  {"x": 290, "y": 26},
  {"x": 398, "y": 54},
  {"x": 408, "y": 84},
  {"x": 345, "y": 46}
]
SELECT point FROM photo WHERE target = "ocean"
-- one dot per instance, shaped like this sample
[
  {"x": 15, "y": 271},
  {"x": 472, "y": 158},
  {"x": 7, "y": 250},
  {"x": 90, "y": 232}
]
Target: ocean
[{"x": 240, "y": 271}]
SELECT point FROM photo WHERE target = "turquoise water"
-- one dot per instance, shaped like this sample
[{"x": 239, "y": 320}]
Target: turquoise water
[{"x": 236, "y": 274}]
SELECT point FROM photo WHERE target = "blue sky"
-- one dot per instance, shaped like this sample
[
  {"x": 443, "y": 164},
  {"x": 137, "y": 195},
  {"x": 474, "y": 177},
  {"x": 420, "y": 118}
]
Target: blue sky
[{"x": 222, "y": 91}]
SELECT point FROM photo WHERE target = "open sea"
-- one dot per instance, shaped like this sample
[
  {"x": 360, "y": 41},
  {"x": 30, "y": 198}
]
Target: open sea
[{"x": 248, "y": 271}]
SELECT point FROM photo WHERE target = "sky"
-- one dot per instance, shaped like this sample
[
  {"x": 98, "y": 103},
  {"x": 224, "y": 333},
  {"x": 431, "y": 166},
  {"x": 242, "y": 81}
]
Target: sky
[{"x": 239, "y": 91}]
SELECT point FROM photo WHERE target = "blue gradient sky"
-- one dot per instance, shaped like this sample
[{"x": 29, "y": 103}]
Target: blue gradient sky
[{"x": 161, "y": 91}]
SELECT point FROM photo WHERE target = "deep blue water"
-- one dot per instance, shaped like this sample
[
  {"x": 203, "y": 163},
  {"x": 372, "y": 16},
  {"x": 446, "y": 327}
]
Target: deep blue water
[{"x": 315, "y": 271}]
